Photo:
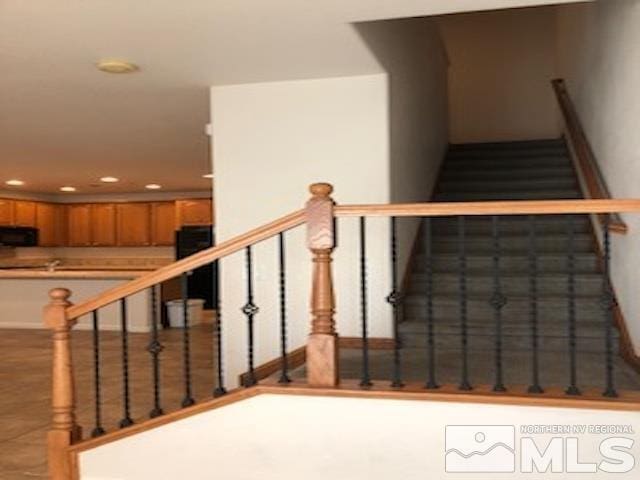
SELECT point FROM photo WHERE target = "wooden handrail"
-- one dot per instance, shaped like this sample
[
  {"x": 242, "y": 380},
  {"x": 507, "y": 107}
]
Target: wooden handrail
[
  {"x": 594, "y": 180},
  {"x": 200, "y": 259},
  {"x": 516, "y": 207}
]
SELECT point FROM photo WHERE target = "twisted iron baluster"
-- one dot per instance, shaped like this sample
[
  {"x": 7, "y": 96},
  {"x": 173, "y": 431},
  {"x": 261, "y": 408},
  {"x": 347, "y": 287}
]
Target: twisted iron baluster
[
  {"x": 126, "y": 420},
  {"x": 219, "y": 389},
  {"x": 431, "y": 382},
  {"x": 155, "y": 348},
  {"x": 462, "y": 271},
  {"x": 498, "y": 301},
  {"x": 572, "y": 389},
  {"x": 250, "y": 310},
  {"x": 608, "y": 302},
  {"x": 533, "y": 306},
  {"x": 394, "y": 300},
  {"x": 284, "y": 375},
  {"x": 366, "y": 376},
  {"x": 188, "y": 400},
  {"x": 98, "y": 430}
]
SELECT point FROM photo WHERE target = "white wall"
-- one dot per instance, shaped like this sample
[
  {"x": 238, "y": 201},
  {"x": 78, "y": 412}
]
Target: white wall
[
  {"x": 502, "y": 63},
  {"x": 600, "y": 59},
  {"x": 289, "y": 437},
  {"x": 271, "y": 140},
  {"x": 376, "y": 138}
]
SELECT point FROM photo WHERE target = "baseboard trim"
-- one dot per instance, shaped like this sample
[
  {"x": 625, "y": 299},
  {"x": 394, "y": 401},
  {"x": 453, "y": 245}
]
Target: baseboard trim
[
  {"x": 295, "y": 358},
  {"x": 374, "y": 343}
]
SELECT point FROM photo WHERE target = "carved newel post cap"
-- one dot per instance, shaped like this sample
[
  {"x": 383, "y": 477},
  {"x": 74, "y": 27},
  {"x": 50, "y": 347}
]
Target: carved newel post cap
[
  {"x": 321, "y": 189},
  {"x": 59, "y": 295}
]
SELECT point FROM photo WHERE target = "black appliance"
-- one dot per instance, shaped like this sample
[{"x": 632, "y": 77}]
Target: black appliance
[
  {"x": 18, "y": 236},
  {"x": 203, "y": 282}
]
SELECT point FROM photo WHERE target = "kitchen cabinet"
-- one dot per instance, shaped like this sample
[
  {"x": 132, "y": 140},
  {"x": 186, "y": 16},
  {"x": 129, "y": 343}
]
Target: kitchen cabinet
[
  {"x": 134, "y": 224},
  {"x": 24, "y": 213},
  {"x": 51, "y": 224},
  {"x": 194, "y": 212},
  {"x": 103, "y": 225},
  {"x": 79, "y": 225},
  {"x": 6, "y": 212},
  {"x": 163, "y": 223}
]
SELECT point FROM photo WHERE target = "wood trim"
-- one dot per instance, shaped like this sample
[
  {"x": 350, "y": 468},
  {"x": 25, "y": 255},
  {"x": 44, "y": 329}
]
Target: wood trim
[
  {"x": 375, "y": 343},
  {"x": 295, "y": 358},
  {"x": 586, "y": 160},
  {"x": 553, "y": 397},
  {"x": 190, "y": 263},
  {"x": 518, "y": 207}
]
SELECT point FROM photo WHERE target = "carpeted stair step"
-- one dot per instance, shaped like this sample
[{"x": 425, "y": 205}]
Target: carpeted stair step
[
  {"x": 508, "y": 185},
  {"x": 506, "y": 172},
  {"x": 522, "y": 195},
  {"x": 518, "y": 144},
  {"x": 511, "y": 153},
  {"x": 544, "y": 224},
  {"x": 482, "y": 244}
]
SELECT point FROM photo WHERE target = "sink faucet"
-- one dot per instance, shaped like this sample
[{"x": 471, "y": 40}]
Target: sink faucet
[{"x": 52, "y": 264}]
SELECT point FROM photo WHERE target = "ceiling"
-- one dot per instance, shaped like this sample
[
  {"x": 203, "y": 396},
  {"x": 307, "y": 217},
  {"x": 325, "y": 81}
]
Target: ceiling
[{"x": 63, "y": 122}]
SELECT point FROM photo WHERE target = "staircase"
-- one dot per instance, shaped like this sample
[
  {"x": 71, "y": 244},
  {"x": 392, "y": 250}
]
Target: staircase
[{"x": 531, "y": 170}]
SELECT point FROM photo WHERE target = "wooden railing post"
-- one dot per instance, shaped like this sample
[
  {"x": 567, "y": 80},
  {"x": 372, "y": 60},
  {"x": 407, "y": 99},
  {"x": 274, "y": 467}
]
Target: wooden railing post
[
  {"x": 322, "y": 347},
  {"x": 64, "y": 430}
]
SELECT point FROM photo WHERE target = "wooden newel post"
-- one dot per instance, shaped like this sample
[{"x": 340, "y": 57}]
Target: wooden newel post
[
  {"x": 64, "y": 430},
  {"x": 322, "y": 347}
]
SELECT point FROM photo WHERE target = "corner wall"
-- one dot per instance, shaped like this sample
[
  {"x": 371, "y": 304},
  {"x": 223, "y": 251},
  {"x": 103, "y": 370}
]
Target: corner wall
[{"x": 599, "y": 58}]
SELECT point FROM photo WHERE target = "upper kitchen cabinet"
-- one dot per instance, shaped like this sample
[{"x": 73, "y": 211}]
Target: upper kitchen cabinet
[
  {"x": 194, "y": 212},
  {"x": 79, "y": 225},
  {"x": 24, "y": 213},
  {"x": 134, "y": 224},
  {"x": 163, "y": 223},
  {"x": 103, "y": 225},
  {"x": 6, "y": 212},
  {"x": 51, "y": 224}
]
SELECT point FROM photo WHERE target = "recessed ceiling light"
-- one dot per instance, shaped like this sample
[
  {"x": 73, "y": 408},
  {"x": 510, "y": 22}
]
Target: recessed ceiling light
[
  {"x": 15, "y": 183},
  {"x": 109, "y": 179},
  {"x": 116, "y": 66},
  {"x": 207, "y": 175},
  {"x": 153, "y": 186},
  {"x": 67, "y": 189}
]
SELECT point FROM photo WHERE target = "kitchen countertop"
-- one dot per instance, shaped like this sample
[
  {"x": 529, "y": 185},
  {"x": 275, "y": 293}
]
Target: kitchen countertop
[{"x": 107, "y": 274}]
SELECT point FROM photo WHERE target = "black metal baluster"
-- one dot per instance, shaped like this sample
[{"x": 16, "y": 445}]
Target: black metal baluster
[
  {"x": 250, "y": 310},
  {"x": 608, "y": 302},
  {"x": 462, "y": 272},
  {"x": 533, "y": 307},
  {"x": 188, "y": 400},
  {"x": 498, "y": 301},
  {"x": 431, "y": 347},
  {"x": 219, "y": 389},
  {"x": 394, "y": 300},
  {"x": 364, "y": 312},
  {"x": 572, "y": 389},
  {"x": 284, "y": 374},
  {"x": 98, "y": 430},
  {"x": 126, "y": 420},
  {"x": 155, "y": 348}
]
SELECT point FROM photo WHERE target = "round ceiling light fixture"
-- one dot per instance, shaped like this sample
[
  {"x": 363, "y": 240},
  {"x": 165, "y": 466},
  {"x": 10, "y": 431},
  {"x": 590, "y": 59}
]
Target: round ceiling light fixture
[
  {"x": 116, "y": 66},
  {"x": 153, "y": 186},
  {"x": 68, "y": 189},
  {"x": 15, "y": 182},
  {"x": 207, "y": 175},
  {"x": 109, "y": 180}
]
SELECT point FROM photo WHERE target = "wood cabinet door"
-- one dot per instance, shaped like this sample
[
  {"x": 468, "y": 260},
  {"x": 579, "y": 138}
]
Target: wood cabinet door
[
  {"x": 79, "y": 225},
  {"x": 6, "y": 212},
  {"x": 51, "y": 224},
  {"x": 194, "y": 212},
  {"x": 134, "y": 224},
  {"x": 24, "y": 213},
  {"x": 103, "y": 225},
  {"x": 163, "y": 223}
]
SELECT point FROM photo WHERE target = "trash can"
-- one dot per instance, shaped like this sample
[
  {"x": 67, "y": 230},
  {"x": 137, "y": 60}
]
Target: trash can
[{"x": 175, "y": 312}]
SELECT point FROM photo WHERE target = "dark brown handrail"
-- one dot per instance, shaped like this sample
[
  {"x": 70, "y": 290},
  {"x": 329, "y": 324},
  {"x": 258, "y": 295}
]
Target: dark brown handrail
[{"x": 587, "y": 163}]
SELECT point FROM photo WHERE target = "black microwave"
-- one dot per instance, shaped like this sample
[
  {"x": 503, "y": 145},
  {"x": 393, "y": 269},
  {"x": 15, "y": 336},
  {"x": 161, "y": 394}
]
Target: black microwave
[{"x": 18, "y": 236}]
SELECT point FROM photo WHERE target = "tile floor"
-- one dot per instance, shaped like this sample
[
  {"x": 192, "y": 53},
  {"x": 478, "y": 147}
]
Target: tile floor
[{"x": 25, "y": 382}]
